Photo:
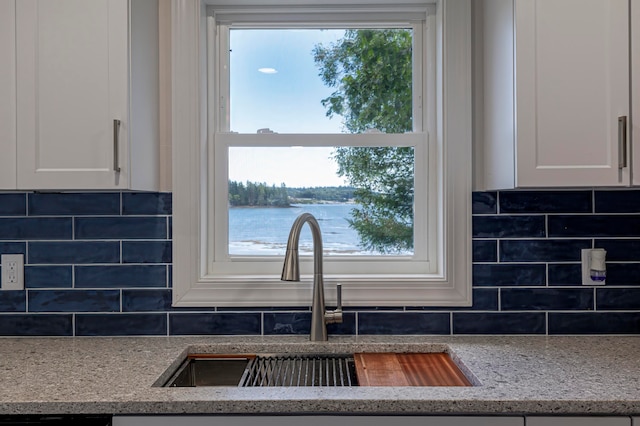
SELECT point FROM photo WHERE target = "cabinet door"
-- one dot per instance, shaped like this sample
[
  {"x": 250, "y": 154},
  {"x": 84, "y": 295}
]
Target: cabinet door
[
  {"x": 7, "y": 94},
  {"x": 578, "y": 421},
  {"x": 635, "y": 95},
  {"x": 572, "y": 84},
  {"x": 316, "y": 420},
  {"x": 72, "y": 61}
]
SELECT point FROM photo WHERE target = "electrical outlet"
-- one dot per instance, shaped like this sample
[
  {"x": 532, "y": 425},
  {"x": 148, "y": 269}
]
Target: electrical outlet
[{"x": 12, "y": 271}]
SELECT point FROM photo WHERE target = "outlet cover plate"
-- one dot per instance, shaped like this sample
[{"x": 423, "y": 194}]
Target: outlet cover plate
[{"x": 12, "y": 271}]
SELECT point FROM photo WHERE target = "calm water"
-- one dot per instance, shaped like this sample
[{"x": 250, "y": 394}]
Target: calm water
[{"x": 265, "y": 230}]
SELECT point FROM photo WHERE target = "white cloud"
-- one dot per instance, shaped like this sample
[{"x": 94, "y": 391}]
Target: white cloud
[{"x": 268, "y": 70}]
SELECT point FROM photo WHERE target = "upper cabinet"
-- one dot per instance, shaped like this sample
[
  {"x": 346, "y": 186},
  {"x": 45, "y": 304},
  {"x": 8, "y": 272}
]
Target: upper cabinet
[
  {"x": 86, "y": 94},
  {"x": 7, "y": 94},
  {"x": 556, "y": 93},
  {"x": 635, "y": 88}
]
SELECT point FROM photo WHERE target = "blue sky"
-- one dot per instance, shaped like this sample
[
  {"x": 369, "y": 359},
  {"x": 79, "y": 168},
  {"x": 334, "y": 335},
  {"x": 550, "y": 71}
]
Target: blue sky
[
  {"x": 285, "y": 101},
  {"x": 295, "y": 167}
]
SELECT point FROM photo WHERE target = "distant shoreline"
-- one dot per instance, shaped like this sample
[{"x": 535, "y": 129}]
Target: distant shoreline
[
  {"x": 260, "y": 207},
  {"x": 298, "y": 204}
]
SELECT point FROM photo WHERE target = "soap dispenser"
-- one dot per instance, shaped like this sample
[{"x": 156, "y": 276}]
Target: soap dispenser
[
  {"x": 598, "y": 269},
  {"x": 594, "y": 268}
]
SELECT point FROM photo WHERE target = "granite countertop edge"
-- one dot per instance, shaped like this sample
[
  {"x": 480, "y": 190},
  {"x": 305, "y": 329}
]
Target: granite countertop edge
[{"x": 573, "y": 375}]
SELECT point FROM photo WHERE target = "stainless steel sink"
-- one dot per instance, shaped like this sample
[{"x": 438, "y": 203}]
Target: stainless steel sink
[
  {"x": 265, "y": 370},
  {"x": 203, "y": 370}
]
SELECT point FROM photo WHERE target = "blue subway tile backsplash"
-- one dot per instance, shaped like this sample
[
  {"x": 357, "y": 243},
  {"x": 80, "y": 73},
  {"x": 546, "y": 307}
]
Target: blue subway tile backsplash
[
  {"x": 485, "y": 202},
  {"x": 484, "y": 299},
  {"x": 612, "y": 299},
  {"x": 13, "y": 248},
  {"x": 29, "y": 228},
  {"x": 13, "y": 204},
  {"x": 121, "y": 325},
  {"x": 121, "y": 228},
  {"x": 594, "y": 226},
  {"x": 563, "y": 274},
  {"x": 146, "y": 300},
  {"x": 36, "y": 325},
  {"x": 48, "y": 276},
  {"x": 594, "y": 323},
  {"x": 617, "y": 201},
  {"x": 120, "y": 276},
  {"x": 74, "y": 300},
  {"x": 547, "y": 299},
  {"x": 13, "y": 301},
  {"x": 241, "y": 323},
  {"x": 73, "y": 204},
  {"x": 287, "y": 323},
  {"x": 546, "y": 202},
  {"x": 146, "y": 251},
  {"x": 543, "y": 250},
  {"x": 621, "y": 250},
  {"x": 146, "y": 203},
  {"x": 504, "y": 226},
  {"x": 499, "y": 323},
  {"x": 623, "y": 273},
  {"x": 99, "y": 264},
  {"x": 484, "y": 251},
  {"x": 73, "y": 252},
  {"x": 508, "y": 274},
  {"x": 282, "y": 323},
  {"x": 404, "y": 323}
]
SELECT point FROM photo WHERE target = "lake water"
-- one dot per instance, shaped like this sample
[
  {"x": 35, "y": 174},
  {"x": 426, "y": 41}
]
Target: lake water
[{"x": 265, "y": 231}]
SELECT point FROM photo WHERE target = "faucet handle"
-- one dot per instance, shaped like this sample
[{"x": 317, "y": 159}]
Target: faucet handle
[{"x": 335, "y": 316}]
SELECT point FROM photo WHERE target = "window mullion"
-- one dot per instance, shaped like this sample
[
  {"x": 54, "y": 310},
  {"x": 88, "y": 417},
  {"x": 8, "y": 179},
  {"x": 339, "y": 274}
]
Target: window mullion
[{"x": 222, "y": 99}]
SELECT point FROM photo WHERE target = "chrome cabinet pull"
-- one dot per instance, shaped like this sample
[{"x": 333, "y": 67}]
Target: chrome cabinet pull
[
  {"x": 622, "y": 142},
  {"x": 116, "y": 145}
]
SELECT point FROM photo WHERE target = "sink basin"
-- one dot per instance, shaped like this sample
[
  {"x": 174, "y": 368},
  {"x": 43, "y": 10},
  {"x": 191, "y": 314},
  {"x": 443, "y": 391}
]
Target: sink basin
[
  {"x": 210, "y": 370},
  {"x": 332, "y": 370},
  {"x": 265, "y": 370}
]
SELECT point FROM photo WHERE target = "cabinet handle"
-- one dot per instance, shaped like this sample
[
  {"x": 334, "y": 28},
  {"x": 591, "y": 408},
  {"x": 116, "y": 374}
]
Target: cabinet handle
[
  {"x": 622, "y": 142},
  {"x": 116, "y": 145}
]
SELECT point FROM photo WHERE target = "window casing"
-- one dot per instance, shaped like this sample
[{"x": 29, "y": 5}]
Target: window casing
[{"x": 437, "y": 274}]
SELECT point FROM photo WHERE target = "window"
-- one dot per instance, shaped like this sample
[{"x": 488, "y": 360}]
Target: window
[
  {"x": 325, "y": 82},
  {"x": 216, "y": 261},
  {"x": 270, "y": 186}
]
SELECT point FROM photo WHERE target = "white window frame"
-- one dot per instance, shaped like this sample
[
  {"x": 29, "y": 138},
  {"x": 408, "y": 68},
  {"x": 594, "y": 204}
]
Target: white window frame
[
  {"x": 344, "y": 269},
  {"x": 447, "y": 282}
]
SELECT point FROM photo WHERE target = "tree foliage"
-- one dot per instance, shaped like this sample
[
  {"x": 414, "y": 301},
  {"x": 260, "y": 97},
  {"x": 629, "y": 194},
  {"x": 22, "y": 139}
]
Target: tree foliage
[
  {"x": 371, "y": 72},
  {"x": 257, "y": 195},
  {"x": 334, "y": 194}
]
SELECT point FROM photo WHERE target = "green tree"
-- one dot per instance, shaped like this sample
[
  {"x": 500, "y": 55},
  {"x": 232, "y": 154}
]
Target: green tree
[
  {"x": 371, "y": 72},
  {"x": 257, "y": 194}
]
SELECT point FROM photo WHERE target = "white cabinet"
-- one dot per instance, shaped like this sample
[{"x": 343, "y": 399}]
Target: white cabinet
[
  {"x": 86, "y": 107},
  {"x": 556, "y": 81},
  {"x": 7, "y": 94},
  {"x": 635, "y": 95},
  {"x": 316, "y": 421},
  {"x": 578, "y": 421}
]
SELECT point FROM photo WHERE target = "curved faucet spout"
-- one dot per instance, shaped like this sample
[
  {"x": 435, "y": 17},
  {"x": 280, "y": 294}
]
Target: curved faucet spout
[
  {"x": 291, "y": 268},
  {"x": 291, "y": 272}
]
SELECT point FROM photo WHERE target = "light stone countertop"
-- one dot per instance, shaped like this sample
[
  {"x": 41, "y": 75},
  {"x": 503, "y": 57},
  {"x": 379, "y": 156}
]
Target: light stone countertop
[{"x": 516, "y": 375}]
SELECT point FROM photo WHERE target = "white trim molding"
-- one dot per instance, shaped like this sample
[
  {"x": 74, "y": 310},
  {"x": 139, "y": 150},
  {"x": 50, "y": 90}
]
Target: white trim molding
[{"x": 192, "y": 284}]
